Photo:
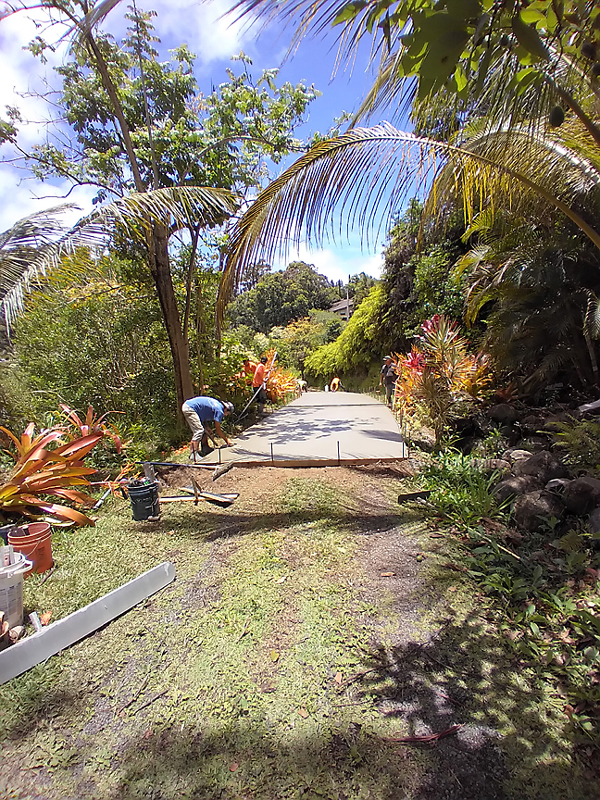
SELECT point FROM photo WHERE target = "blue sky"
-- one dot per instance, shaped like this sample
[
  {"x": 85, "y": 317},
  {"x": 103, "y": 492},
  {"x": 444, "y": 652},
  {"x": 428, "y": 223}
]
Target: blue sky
[{"x": 213, "y": 39}]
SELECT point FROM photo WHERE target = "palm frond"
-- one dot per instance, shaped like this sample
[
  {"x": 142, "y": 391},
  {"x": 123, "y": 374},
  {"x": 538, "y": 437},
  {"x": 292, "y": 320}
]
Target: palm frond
[
  {"x": 592, "y": 316},
  {"x": 96, "y": 15},
  {"x": 134, "y": 215},
  {"x": 310, "y": 18},
  {"x": 364, "y": 175}
]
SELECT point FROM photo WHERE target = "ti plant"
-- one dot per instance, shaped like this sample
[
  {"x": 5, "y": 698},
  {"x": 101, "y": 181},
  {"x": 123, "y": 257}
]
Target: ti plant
[
  {"x": 440, "y": 373},
  {"x": 47, "y": 468}
]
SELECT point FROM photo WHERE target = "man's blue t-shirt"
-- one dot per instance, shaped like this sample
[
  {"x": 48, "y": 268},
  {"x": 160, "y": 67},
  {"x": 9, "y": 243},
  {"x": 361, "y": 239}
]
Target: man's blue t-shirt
[{"x": 207, "y": 408}]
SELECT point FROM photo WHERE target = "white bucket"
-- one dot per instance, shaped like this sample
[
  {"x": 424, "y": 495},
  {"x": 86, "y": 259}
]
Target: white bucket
[{"x": 11, "y": 589}]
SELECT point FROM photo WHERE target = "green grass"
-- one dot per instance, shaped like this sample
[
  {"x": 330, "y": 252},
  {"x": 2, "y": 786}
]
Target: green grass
[{"x": 262, "y": 671}]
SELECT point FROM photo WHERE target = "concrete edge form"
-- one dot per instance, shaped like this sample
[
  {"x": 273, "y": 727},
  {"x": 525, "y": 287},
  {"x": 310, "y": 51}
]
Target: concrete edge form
[
  {"x": 64, "y": 632},
  {"x": 306, "y": 462}
]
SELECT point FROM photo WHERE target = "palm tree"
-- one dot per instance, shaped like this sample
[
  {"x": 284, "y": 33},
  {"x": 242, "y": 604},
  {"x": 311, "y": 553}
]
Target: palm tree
[
  {"x": 367, "y": 173},
  {"x": 535, "y": 286},
  {"x": 22, "y": 255}
]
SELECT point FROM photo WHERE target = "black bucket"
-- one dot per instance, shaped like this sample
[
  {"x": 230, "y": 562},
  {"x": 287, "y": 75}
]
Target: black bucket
[
  {"x": 4, "y": 531},
  {"x": 144, "y": 500}
]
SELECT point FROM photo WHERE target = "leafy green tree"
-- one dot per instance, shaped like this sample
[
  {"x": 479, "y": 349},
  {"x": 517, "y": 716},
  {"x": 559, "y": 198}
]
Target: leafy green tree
[
  {"x": 140, "y": 125},
  {"x": 281, "y": 297},
  {"x": 298, "y": 340},
  {"x": 359, "y": 287},
  {"x": 357, "y": 346},
  {"x": 96, "y": 339}
]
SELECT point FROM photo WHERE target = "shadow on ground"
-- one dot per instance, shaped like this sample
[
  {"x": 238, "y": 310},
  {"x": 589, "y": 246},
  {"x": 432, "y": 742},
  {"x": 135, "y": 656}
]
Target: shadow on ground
[
  {"x": 218, "y": 524},
  {"x": 504, "y": 748}
]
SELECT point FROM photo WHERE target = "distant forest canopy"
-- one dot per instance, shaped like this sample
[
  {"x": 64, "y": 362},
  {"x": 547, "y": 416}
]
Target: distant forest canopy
[{"x": 278, "y": 298}]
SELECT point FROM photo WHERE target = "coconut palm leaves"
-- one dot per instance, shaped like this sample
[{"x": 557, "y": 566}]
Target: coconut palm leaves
[
  {"x": 41, "y": 473},
  {"x": 366, "y": 173},
  {"x": 30, "y": 249},
  {"x": 23, "y": 248}
]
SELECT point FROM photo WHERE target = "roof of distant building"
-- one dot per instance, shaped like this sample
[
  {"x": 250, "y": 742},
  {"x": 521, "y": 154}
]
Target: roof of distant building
[{"x": 342, "y": 305}]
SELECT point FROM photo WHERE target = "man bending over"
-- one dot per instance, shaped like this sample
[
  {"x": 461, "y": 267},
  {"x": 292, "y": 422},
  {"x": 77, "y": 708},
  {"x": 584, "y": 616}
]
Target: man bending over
[{"x": 199, "y": 410}]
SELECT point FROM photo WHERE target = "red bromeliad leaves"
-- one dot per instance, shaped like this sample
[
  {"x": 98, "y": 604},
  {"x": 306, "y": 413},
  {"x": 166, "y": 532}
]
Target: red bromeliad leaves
[
  {"x": 40, "y": 473},
  {"x": 92, "y": 424}
]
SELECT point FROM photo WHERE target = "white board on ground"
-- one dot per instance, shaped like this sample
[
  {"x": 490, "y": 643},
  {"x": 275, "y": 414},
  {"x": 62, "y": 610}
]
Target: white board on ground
[{"x": 64, "y": 632}]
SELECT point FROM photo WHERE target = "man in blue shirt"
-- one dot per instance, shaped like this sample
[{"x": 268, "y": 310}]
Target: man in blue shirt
[{"x": 197, "y": 411}]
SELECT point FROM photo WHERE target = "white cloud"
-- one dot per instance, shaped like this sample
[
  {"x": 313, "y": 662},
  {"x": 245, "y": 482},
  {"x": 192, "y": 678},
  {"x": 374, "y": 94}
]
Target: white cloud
[
  {"x": 200, "y": 25},
  {"x": 340, "y": 263}
]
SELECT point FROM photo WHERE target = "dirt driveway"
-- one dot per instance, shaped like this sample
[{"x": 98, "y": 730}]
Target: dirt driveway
[{"x": 310, "y": 625}]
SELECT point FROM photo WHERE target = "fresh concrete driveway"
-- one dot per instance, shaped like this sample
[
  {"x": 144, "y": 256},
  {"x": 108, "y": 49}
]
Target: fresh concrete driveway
[{"x": 319, "y": 429}]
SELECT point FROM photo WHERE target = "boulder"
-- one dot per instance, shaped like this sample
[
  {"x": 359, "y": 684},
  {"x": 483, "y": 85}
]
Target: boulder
[
  {"x": 535, "y": 443},
  {"x": 582, "y": 495},
  {"x": 533, "y": 509},
  {"x": 594, "y": 521},
  {"x": 490, "y": 465},
  {"x": 503, "y": 413},
  {"x": 543, "y": 466},
  {"x": 532, "y": 423},
  {"x": 423, "y": 438},
  {"x": 590, "y": 408},
  {"x": 512, "y": 433},
  {"x": 514, "y": 486},
  {"x": 513, "y": 455},
  {"x": 557, "y": 485}
]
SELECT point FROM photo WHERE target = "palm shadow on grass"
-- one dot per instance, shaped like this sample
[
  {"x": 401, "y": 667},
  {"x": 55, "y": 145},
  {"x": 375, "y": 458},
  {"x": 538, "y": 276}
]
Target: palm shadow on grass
[
  {"x": 506, "y": 745},
  {"x": 505, "y": 748},
  {"x": 228, "y": 523}
]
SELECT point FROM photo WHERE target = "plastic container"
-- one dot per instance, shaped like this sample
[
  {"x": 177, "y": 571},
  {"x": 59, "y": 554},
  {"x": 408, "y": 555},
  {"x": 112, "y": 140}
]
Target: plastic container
[
  {"x": 11, "y": 589},
  {"x": 144, "y": 500},
  {"x": 4, "y": 531},
  {"x": 35, "y": 542}
]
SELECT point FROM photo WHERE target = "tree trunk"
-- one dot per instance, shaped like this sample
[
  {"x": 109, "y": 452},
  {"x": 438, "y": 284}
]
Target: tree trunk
[{"x": 158, "y": 257}]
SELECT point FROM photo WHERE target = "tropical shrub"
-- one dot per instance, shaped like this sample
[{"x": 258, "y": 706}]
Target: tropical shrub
[
  {"x": 460, "y": 491},
  {"x": 440, "y": 378},
  {"x": 280, "y": 382},
  {"x": 43, "y": 470},
  {"x": 580, "y": 440}
]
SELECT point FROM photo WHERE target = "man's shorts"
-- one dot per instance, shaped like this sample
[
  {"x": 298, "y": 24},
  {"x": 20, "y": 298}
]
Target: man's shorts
[{"x": 193, "y": 420}]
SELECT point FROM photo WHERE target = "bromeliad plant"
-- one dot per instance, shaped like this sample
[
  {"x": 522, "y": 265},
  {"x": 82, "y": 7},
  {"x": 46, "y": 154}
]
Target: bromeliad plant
[
  {"x": 442, "y": 374},
  {"x": 47, "y": 467},
  {"x": 91, "y": 423}
]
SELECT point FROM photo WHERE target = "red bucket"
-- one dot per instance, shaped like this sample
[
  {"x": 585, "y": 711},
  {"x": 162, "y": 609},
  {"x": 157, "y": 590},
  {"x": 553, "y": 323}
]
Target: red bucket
[{"x": 35, "y": 542}]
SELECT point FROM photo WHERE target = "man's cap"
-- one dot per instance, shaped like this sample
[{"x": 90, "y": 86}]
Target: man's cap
[
  {"x": 263, "y": 360},
  {"x": 228, "y": 407}
]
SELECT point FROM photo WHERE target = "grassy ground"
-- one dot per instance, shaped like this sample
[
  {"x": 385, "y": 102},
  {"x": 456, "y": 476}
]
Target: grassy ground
[{"x": 309, "y": 623}]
